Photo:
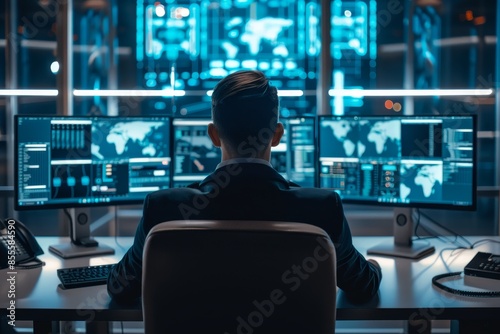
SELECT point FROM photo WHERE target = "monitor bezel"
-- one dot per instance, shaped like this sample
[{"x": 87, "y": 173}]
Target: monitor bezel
[
  {"x": 47, "y": 206},
  {"x": 421, "y": 205}
]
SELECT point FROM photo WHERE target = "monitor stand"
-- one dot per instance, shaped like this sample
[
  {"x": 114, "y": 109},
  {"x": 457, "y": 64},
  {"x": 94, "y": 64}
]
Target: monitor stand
[
  {"x": 81, "y": 242},
  {"x": 403, "y": 245}
]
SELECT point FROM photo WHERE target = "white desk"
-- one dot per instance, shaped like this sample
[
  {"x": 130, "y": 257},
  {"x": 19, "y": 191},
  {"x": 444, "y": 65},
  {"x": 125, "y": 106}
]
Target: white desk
[{"x": 406, "y": 292}]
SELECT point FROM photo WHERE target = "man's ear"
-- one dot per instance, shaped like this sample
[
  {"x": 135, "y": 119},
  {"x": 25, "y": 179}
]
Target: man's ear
[
  {"x": 213, "y": 133},
  {"x": 278, "y": 133}
]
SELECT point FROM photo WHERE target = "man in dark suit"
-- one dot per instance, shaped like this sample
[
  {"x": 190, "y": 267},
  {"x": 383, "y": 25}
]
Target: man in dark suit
[{"x": 245, "y": 186}]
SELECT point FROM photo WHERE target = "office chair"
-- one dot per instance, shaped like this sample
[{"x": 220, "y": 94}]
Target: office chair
[{"x": 238, "y": 277}]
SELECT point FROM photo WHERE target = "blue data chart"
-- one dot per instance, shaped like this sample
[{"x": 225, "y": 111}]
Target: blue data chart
[
  {"x": 168, "y": 37},
  {"x": 350, "y": 28},
  {"x": 353, "y": 50},
  {"x": 190, "y": 45},
  {"x": 276, "y": 37}
]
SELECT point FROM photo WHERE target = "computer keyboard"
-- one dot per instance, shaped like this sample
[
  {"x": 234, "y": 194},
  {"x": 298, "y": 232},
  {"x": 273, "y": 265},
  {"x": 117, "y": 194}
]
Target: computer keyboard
[{"x": 78, "y": 277}]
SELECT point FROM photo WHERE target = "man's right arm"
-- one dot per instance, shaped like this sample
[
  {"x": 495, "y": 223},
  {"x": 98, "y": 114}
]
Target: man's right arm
[{"x": 357, "y": 277}]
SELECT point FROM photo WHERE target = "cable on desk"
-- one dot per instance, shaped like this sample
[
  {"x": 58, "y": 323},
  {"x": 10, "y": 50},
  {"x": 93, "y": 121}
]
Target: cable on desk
[
  {"x": 455, "y": 234},
  {"x": 483, "y": 241},
  {"x": 453, "y": 250},
  {"x": 70, "y": 225},
  {"x": 460, "y": 247},
  {"x": 467, "y": 293},
  {"x": 442, "y": 238},
  {"x": 432, "y": 235},
  {"x": 417, "y": 225}
]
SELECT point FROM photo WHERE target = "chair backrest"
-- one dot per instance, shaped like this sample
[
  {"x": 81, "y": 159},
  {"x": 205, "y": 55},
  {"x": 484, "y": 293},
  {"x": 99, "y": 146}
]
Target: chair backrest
[{"x": 238, "y": 277}]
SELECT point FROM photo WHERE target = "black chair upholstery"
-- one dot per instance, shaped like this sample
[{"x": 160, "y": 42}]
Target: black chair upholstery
[{"x": 238, "y": 277}]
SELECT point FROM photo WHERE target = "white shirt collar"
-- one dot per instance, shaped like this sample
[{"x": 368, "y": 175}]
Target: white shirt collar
[{"x": 244, "y": 160}]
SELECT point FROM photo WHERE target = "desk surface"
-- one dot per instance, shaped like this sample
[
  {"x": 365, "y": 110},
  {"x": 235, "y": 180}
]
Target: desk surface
[{"x": 406, "y": 291}]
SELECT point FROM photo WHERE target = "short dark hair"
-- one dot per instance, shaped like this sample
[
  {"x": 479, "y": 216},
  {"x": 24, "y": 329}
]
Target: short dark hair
[{"x": 245, "y": 111}]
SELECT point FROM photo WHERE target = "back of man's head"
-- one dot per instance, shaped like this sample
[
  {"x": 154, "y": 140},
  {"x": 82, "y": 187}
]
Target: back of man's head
[{"x": 245, "y": 112}]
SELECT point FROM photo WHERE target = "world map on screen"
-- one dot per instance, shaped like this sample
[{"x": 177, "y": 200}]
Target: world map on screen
[{"x": 135, "y": 139}]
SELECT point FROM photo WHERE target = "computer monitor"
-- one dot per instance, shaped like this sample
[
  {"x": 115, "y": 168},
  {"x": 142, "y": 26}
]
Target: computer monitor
[
  {"x": 194, "y": 154},
  {"x": 195, "y": 157},
  {"x": 402, "y": 161},
  {"x": 295, "y": 157},
  {"x": 79, "y": 162}
]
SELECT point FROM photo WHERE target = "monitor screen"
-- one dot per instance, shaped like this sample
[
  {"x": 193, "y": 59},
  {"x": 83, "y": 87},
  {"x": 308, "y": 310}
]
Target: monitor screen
[
  {"x": 194, "y": 154},
  {"x": 85, "y": 161},
  {"x": 295, "y": 157},
  {"x": 414, "y": 161}
]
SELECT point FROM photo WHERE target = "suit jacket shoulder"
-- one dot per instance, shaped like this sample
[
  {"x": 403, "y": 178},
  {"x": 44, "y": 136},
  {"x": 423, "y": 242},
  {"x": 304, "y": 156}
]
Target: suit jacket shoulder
[{"x": 168, "y": 204}]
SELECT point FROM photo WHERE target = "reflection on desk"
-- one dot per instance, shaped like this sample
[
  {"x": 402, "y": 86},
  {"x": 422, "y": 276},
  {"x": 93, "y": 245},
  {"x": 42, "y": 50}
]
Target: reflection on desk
[{"x": 25, "y": 281}]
